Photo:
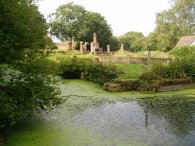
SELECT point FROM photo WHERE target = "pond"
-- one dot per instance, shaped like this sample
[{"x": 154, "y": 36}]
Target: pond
[{"x": 92, "y": 117}]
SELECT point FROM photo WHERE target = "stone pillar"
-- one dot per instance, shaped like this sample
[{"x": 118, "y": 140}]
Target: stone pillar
[
  {"x": 122, "y": 48},
  {"x": 85, "y": 46},
  {"x": 92, "y": 48},
  {"x": 94, "y": 37},
  {"x": 108, "y": 48},
  {"x": 81, "y": 48}
]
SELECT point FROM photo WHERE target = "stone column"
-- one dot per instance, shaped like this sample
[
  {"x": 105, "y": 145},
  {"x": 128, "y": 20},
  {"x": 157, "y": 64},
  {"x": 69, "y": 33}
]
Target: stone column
[
  {"x": 81, "y": 48},
  {"x": 92, "y": 48},
  {"x": 108, "y": 48},
  {"x": 85, "y": 46},
  {"x": 122, "y": 48},
  {"x": 94, "y": 37}
]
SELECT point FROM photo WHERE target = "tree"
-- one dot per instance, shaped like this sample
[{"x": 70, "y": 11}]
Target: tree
[
  {"x": 72, "y": 20},
  {"x": 21, "y": 27},
  {"x": 133, "y": 41},
  {"x": 152, "y": 43},
  {"x": 25, "y": 85},
  {"x": 94, "y": 22},
  {"x": 175, "y": 22},
  {"x": 66, "y": 21},
  {"x": 114, "y": 43}
]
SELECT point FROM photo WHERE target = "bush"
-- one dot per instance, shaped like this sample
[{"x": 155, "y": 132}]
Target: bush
[
  {"x": 86, "y": 69},
  {"x": 179, "y": 68},
  {"x": 183, "y": 51},
  {"x": 100, "y": 73},
  {"x": 148, "y": 82},
  {"x": 148, "y": 76},
  {"x": 24, "y": 91},
  {"x": 71, "y": 68},
  {"x": 173, "y": 70}
]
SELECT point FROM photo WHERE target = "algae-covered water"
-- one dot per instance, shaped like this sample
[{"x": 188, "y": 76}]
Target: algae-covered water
[{"x": 93, "y": 117}]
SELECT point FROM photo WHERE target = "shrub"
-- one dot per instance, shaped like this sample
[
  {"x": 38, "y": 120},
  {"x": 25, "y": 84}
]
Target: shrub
[
  {"x": 87, "y": 69},
  {"x": 148, "y": 82},
  {"x": 25, "y": 91},
  {"x": 183, "y": 51},
  {"x": 99, "y": 72},
  {"x": 179, "y": 68},
  {"x": 173, "y": 70},
  {"x": 148, "y": 76},
  {"x": 188, "y": 65},
  {"x": 71, "y": 68}
]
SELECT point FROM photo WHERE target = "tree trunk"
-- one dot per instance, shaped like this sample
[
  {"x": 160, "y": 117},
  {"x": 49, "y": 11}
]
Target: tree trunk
[{"x": 1, "y": 140}]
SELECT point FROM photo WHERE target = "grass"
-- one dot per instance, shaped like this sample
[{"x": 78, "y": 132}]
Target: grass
[
  {"x": 131, "y": 71},
  {"x": 155, "y": 54}
]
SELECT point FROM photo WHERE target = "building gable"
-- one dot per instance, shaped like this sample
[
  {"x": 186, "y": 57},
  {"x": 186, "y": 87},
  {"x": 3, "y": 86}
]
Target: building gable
[{"x": 186, "y": 41}]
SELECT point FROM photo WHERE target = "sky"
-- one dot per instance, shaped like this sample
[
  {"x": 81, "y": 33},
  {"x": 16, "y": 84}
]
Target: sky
[{"x": 122, "y": 15}]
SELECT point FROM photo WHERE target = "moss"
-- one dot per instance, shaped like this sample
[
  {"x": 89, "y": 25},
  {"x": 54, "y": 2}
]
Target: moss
[{"x": 46, "y": 134}]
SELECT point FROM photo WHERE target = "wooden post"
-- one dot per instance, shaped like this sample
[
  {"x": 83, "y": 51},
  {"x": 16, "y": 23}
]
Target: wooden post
[{"x": 149, "y": 60}]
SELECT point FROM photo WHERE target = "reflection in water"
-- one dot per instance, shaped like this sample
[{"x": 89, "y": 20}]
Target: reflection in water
[
  {"x": 178, "y": 112},
  {"x": 147, "y": 121},
  {"x": 150, "y": 122}
]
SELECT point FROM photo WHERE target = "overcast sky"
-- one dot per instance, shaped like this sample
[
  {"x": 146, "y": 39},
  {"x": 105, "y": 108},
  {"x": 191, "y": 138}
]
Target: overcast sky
[{"x": 122, "y": 15}]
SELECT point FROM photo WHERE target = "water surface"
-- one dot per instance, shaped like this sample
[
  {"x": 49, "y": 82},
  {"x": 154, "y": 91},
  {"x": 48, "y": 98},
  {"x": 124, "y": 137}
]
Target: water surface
[{"x": 92, "y": 117}]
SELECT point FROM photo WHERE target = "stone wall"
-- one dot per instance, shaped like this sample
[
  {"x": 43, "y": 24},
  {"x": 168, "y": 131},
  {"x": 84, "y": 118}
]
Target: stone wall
[{"x": 131, "y": 60}]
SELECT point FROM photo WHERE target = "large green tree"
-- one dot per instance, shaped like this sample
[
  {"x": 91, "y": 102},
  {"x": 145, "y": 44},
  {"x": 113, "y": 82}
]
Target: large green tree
[
  {"x": 175, "y": 22},
  {"x": 25, "y": 85},
  {"x": 21, "y": 27},
  {"x": 133, "y": 41},
  {"x": 152, "y": 42},
  {"x": 73, "y": 21},
  {"x": 94, "y": 22},
  {"x": 66, "y": 21}
]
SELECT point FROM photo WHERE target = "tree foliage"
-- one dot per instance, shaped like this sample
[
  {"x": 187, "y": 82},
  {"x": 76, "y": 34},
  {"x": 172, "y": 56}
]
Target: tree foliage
[
  {"x": 133, "y": 41},
  {"x": 152, "y": 43},
  {"x": 175, "y": 22},
  {"x": 66, "y": 21},
  {"x": 183, "y": 51},
  {"x": 25, "y": 88},
  {"x": 73, "y": 21},
  {"x": 94, "y": 22},
  {"x": 24, "y": 85},
  {"x": 21, "y": 27}
]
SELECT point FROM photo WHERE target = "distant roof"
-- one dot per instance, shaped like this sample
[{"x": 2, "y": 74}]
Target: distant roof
[{"x": 186, "y": 41}]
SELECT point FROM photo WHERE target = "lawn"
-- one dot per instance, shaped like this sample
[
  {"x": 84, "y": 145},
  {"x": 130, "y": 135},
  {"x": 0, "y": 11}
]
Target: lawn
[{"x": 131, "y": 70}]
